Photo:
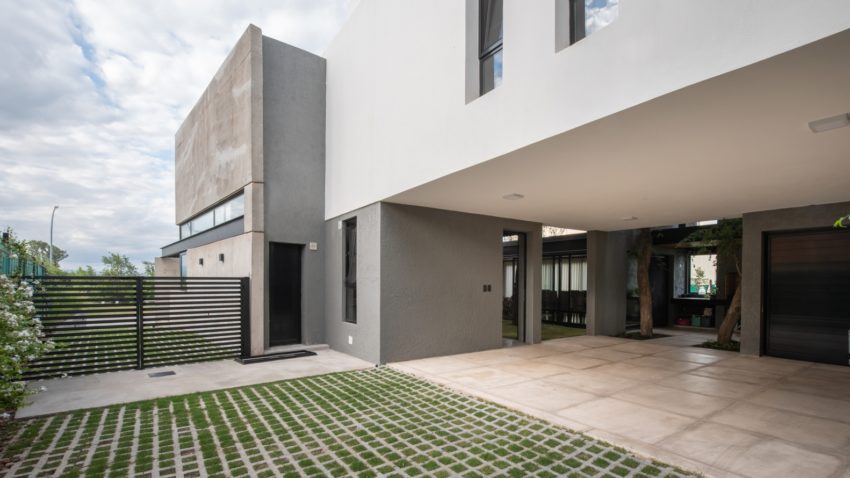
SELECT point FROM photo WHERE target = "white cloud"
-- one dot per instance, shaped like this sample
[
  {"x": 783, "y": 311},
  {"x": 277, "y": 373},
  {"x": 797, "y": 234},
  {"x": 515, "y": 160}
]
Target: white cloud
[{"x": 90, "y": 97}]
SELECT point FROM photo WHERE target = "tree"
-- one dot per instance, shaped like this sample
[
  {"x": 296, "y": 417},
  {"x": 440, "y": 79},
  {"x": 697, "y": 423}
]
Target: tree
[
  {"x": 118, "y": 265},
  {"x": 726, "y": 237},
  {"x": 40, "y": 250},
  {"x": 644, "y": 257},
  {"x": 150, "y": 269},
  {"x": 83, "y": 271}
]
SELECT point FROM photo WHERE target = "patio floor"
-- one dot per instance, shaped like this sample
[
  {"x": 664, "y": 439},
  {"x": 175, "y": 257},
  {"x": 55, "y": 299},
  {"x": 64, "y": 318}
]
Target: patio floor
[
  {"x": 714, "y": 412},
  {"x": 368, "y": 423},
  {"x": 88, "y": 391}
]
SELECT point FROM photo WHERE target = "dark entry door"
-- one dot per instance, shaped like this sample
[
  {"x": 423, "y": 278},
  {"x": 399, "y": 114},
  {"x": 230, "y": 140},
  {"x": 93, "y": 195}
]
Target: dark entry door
[
  {"x": 284, "y": 294},
  {"x": 807, "y": 303}
]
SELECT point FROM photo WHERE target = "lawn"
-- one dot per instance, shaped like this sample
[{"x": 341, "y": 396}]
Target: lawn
[
  {"x": 549, "y": 331},
  {"x": 377, "y": 422}
]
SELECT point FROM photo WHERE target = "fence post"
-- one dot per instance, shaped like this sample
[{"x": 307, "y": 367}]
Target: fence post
[
  {"x": 245, "y": 326},
  {"x": 140, "y": 342}
]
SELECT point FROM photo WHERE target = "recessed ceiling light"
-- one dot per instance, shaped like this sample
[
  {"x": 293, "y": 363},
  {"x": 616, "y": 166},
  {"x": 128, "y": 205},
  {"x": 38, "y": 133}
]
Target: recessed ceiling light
[
  {"x": 629, "y": 218},
  {"x": 833, "y": 122},
  {"x": 513, "y": 196}
]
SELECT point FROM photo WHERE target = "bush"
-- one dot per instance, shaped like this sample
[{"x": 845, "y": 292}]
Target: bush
[{"x": 21, "y": 339}]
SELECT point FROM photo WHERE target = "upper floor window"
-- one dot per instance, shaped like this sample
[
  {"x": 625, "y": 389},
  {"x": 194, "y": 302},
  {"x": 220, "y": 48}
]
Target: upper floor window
[
  {"x": 226, "y": 211},
  {"x": 588, "y": 16},
  {"x": 490, "y": 43}
]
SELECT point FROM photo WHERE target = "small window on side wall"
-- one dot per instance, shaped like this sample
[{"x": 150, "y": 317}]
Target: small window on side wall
[
  {"x": 589, "y": 16},
  {"x": 490, "y": 43},
  {"x": 350, "y": 270}
]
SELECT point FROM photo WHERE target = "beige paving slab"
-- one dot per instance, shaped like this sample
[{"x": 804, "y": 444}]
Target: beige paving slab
[
  {"x": 597, "y": 341},
  {"x": 589, "y": 381},
  {"x": 804, "y": 403},
  {"x": 773, "y": 458},
  {"x": 754, "y": 377},
  {"x": 542, "y": 395},
  {"x": 786, "y": 425},
  {"x": 710, "y": 386},
  {"x": 534, "y": 369},
  {"x": 763, "y": 364},
  {"x": 688, "y": 355},
  {"x": 532, "y": 351},
  {"x": 673, "y": 400},
  {"x": 572, "y": 360},
  {"x": 489, "y": 357},
  {"x": 451, "y": 363},
  {"x": 484, "y": 377},
  {"x": 643, "y": 347},
  {"x": 564, "y": 345},
  {"x": 711, "y": 443},
  {"x": 644, "y": 374},
  {"x": 664, "y": 363},
  {"x": 607, "y": 353},
  {"x": 628, "y": 419}
]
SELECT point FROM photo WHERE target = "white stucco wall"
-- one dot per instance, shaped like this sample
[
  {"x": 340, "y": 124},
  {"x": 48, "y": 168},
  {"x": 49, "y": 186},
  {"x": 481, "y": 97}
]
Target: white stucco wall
[{"x": 397, "y": 115}]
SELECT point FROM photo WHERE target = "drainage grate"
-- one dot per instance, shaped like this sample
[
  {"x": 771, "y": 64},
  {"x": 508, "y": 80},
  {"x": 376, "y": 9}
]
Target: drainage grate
[
  {"x": 161, "y": 374},
  {"x": 275, "y": 356}
]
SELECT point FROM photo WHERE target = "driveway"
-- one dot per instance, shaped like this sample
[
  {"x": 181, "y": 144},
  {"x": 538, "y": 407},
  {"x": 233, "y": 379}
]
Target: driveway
[{"x": 710, "y": 411}]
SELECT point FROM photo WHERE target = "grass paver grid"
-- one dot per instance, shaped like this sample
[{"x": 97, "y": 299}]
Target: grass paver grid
[{"x": 372, "y": 423}]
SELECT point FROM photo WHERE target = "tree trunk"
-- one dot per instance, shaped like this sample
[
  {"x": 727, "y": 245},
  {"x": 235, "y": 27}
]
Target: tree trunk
[
  {"x": 644, "y": 259},
  {"x": 733, "y": 314}
]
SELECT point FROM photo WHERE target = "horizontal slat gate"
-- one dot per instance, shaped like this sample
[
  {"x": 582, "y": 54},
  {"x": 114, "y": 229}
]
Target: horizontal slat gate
[{"x": 103, "y": 324}]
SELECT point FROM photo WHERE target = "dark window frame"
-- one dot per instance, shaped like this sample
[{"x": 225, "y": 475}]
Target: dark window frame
[
  {"x": 349, "y": 266},
  {"x": 577, "y": 21},
  {"x": 488, "y": 51}
]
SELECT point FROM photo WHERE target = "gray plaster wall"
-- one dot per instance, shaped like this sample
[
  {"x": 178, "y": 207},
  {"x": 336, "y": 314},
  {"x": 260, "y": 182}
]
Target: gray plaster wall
[
  {"x": 434, "y": 264},
  {"x": 756, "y": 224},
  {"x": 365, "y": 335},
  {"x": 218, "y": 148},
  {"x": 607, "y": 267},
  {"x": 294, "y": 169}
]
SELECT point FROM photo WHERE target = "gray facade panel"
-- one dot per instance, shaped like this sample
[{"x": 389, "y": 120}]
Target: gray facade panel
[
  {"x": 434, "y": 264},
  {"x": 366, "y": 333},
  {"x": 756, "y": 224},
  {"x": 294, "y": 168},
  {"x": 606, "y": 281}
]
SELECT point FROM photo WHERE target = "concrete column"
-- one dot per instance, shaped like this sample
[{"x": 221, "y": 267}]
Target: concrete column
[{"x": 606, "y": 282}]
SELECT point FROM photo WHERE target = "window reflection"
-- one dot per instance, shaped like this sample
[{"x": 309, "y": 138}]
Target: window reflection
[{"x": 228, "y": 211}]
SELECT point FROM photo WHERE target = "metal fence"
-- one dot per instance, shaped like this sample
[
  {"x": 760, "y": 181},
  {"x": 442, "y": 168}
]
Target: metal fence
[
  {"x": 12, "y": 265},
  {"x": 102, "y": 324}
]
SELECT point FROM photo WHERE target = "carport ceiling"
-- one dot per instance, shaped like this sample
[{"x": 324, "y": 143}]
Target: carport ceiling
[{"x": 732, "y": 144}]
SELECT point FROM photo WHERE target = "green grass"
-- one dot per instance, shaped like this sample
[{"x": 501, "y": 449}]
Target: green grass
[{"x": 365, "y": 423}]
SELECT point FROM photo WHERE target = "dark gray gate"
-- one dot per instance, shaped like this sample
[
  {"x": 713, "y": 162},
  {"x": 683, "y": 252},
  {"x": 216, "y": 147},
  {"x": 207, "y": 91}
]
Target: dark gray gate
[{"x": 103, "y": 324}]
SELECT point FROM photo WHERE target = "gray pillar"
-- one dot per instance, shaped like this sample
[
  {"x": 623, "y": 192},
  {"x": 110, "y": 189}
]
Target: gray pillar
[{"x": 606, "y": 282}]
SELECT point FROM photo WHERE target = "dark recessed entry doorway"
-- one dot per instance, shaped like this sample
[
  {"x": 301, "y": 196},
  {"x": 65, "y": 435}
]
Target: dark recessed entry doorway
[{"x": 284, "y": 293}]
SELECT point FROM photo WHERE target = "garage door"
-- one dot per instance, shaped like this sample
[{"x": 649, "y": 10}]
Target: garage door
[{"x": 807, "y": 295}]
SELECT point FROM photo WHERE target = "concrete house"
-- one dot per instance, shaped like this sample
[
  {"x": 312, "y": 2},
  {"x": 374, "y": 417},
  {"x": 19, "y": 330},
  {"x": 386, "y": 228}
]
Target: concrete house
[{"x": 366, "y": 193}]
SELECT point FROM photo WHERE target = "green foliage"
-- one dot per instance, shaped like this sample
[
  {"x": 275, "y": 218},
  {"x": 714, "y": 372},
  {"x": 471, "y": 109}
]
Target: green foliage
[
  {"x": 41, "y": 251},
  {"x": 150, "y": 270},
  {"x": 21, "y": 339},
  {"x": 839, "y": 223},
  {"x": 118, "y": 265},
  {"x": 725, "y": 238},
  {"x": 733, "y": 345},
  {"x": 83, "y": 271}
]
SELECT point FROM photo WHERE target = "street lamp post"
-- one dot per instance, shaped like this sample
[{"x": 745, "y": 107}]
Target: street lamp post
[{"x": 50, "y": 249}]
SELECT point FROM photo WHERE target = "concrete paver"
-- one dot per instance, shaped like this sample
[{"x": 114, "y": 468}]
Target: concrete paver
[
  {"x": 714, "y": 412},
  {"x": 88, "y": 391}
]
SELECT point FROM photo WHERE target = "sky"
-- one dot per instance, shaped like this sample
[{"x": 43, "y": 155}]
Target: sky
[{"x": 91, "y": 94}]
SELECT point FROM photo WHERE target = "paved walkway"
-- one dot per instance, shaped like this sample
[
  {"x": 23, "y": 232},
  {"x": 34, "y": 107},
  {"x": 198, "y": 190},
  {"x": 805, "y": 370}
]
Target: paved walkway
[
  {"x": 88, "y": 391},
  {"x": 714, "y": 412}
]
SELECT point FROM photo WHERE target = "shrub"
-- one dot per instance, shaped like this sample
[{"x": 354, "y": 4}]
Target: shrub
[{"x": 21, "y": 339}]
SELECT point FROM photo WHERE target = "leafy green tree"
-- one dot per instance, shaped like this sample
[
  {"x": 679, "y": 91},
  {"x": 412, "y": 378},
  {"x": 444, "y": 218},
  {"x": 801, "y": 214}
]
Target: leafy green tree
[
  {"x": 83, "y": 271},
  {"x": 41, "y": 251},
  {"x": 115, "y": 264},
  {"x": 150, "y": 270},
  {"x": 726, "y": 238}
]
